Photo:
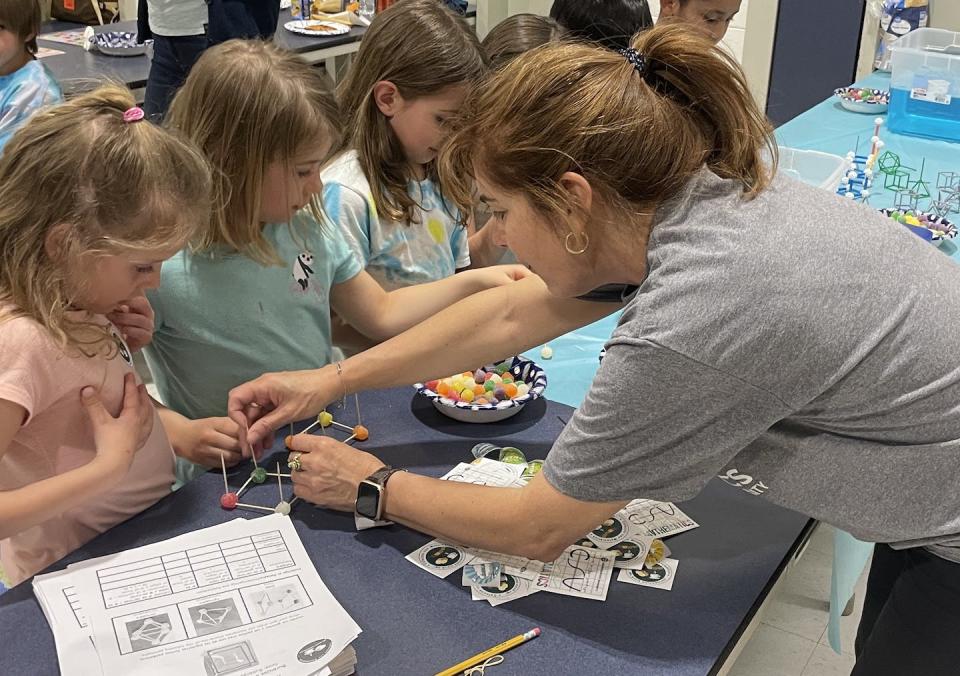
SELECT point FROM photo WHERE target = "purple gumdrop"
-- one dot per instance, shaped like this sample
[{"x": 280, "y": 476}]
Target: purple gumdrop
[
  {"x": 479, "y": 375},
  {"x": 493, "y": 400},
  {"x": 499, "y": 393}
]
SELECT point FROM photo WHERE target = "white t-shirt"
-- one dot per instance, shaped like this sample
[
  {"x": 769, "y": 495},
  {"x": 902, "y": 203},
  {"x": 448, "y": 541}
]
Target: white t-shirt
[{"x": 177, "y": 18}]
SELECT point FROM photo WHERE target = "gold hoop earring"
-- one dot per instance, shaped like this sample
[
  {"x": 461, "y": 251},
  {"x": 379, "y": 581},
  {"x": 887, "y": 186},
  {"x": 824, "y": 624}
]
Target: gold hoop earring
[{"x": 578, "y": 235}]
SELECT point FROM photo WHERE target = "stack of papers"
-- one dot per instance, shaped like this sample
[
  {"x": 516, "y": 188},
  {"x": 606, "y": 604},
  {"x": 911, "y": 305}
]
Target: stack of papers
[
  {"x": 240, "y": 597},
  {"x": 630, "y": 541}
]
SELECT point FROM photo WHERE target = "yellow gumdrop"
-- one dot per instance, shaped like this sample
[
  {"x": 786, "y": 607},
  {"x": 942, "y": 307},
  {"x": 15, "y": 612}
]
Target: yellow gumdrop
[{"x": 325, "y": 419}]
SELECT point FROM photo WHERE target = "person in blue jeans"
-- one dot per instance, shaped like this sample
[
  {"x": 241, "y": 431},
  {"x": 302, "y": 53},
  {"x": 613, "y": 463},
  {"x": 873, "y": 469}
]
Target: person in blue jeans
[{"x": 182, "y": 29}]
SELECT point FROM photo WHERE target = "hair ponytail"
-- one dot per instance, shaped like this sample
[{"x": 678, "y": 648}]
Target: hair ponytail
[
  {"x": 714, "y": 90},
  {"x": 637, "y": 137}
]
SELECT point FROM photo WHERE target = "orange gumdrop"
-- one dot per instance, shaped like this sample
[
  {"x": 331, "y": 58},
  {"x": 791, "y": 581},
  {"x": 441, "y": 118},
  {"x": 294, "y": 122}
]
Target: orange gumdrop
[
  {"x": 361, "y": 433},
  {"x": 467, "y": 374},
  {"x": 478, "y": 389},
  {"x": 443, "y": 390},
  {"x": 510, "y": 389}
]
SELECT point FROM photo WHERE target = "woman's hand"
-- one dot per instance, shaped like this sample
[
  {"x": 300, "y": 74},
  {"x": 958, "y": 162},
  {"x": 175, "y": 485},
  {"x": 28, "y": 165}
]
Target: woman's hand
[
  {"x": 275, "y": 399},
  {"x": 118, "y": 439},
  {"x": 134, "y": 319},
  {"x": 330, "y": 471}
]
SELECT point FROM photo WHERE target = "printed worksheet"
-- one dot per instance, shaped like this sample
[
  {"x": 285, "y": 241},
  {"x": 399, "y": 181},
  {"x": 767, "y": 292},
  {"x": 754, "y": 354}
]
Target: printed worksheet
[
  {"x": 656, "y": 519},
  {"x": 486, "y": 472},
  {"x": 579, "y": 571},
  {"x": 68, "y": 622},
  {"x": 242, "y": 597}
]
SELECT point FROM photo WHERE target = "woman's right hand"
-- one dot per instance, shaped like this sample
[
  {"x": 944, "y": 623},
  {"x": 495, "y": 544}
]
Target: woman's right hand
[
  {"x": 118, "y": 439},
  {"x": 275, "y": 399}
]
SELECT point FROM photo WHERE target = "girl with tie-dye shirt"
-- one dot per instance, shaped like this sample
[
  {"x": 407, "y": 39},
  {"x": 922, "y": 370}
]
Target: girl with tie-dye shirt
[{"x": 415, "y": 66}]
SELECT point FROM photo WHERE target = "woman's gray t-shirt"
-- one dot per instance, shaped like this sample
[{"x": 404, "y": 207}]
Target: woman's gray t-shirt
[{"x": 797, "y": 346}]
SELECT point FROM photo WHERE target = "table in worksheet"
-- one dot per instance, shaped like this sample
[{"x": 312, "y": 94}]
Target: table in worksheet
[{"x": 193, "y": 568}]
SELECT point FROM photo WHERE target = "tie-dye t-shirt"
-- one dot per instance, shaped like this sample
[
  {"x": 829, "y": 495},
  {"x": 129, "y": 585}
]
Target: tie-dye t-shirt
[
  {"x": 396, "y": 254},
  {"x": 22, "y": 93}
]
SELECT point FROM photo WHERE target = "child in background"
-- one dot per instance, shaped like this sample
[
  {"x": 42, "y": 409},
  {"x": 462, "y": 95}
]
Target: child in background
[
  {"x": 25, "y": 84},
  {"x": 518, "y": 34},
  {"x": 80, "y": 448},
  {"x": 507, "y": 40},
  {"x": 253, "y": 292},
  {"x": 416, "y": 64},
  {"x": 711, "y": 16},
  {"x": 610, "y": 23}
]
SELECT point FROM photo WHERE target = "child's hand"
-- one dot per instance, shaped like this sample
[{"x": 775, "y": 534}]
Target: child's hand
[
  {"x": 498, "y": 275},
  {"x": 118, "y": 439},
  {"x": 134, "y": 319},
  {"x": 203, "y": 441}
]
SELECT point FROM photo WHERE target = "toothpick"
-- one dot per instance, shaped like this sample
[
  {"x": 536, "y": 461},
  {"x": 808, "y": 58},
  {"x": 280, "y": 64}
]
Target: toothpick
[
  {"x": 293, "y": 500},
  {"x": 279, "y": 485},
  {"x": 357, "y": 399},
  {"x": 223, "y": 463},
  {"x": 311, "y": 426},
  {"x": 244, "y": 486},
  {"x": 262, "y": 509}
]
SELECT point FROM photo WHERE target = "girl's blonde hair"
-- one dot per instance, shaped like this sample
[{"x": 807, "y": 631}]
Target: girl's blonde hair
[
  {"x": 518, "y": 34},
  {"x": 118, "y": 187},
  {"x": 422, "y": 48},
  {"x": 637, "y": 138},
  {"x": 247, "y": 104}
]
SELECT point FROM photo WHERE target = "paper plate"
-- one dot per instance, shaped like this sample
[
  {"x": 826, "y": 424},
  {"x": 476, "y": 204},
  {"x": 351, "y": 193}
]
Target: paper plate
[
  {"x": 316, "y": 29},
  {"x": 850, "y": 99}
]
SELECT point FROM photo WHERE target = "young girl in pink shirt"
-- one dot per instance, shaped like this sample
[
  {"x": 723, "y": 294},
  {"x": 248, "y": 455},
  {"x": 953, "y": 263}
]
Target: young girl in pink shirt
[{"x": 80, "y": 445}]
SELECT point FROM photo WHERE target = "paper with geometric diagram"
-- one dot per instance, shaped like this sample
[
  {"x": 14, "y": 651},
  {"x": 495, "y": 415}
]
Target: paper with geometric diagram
[{"x": 242, "y": 597}]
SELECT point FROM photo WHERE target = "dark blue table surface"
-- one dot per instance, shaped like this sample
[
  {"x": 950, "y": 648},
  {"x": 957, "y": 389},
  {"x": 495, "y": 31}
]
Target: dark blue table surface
[{"x": 415, "y": 623}]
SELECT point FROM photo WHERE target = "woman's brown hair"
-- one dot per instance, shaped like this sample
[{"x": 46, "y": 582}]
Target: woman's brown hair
[
  {"x": 422, "y": 48},
  {"x": 246, "y": 104},
  {"x": 637, "y": 137},
  {"x": 113, "y": 186}
]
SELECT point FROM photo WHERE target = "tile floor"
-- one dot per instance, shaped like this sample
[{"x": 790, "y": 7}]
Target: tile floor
[{"x": 791, "y": 639}]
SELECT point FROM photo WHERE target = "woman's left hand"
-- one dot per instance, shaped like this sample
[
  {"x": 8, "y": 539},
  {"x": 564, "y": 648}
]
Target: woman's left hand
[{"x": 330, "y": 471}]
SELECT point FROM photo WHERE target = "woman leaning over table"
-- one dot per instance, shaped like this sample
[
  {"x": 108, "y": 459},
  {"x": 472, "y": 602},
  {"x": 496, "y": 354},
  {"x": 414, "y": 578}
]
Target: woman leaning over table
[{"x": 777, "y": 332}]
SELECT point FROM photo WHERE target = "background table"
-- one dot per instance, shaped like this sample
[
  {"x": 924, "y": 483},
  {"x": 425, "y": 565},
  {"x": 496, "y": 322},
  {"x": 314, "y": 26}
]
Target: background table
[{"x": 415, "y": 623}]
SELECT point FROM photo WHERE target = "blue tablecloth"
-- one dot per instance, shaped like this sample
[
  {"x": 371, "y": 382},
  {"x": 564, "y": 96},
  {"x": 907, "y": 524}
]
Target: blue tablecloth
[
  {"x": 414, "y": 623},
  {"x": 828, "y": 127}
]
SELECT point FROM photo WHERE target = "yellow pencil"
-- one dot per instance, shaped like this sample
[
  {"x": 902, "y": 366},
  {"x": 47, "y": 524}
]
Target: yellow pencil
[{"x": 495, "y": 650}]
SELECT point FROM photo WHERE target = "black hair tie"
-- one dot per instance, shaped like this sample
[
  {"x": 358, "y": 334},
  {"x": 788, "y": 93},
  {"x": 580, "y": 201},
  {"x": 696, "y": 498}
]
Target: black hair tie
[{"x": 636, "y": 59}]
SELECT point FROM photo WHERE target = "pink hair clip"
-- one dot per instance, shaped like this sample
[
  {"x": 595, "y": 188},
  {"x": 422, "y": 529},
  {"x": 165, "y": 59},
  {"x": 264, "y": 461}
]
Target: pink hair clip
[{"x": 134, "y": 114}]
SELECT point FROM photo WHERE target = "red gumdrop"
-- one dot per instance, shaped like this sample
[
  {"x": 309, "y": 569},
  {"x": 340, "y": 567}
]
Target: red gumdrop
[{"x": 228, "y": 500}]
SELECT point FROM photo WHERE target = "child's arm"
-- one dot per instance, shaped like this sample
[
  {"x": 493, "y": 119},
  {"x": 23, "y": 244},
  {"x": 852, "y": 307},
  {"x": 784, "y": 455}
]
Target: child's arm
[
  {"x": 202, "y": 441},
  {"x": 363, "y": 303},
  {"x": 117, "y": 440}
]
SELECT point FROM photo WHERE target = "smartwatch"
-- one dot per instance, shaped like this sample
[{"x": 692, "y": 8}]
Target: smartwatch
[{"x": 370, "y": 492}]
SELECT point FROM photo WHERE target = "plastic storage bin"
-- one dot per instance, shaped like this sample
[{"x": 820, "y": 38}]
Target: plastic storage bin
[
  {"x": 925, "y": 84},
  {"x": 822, "y": 170}
]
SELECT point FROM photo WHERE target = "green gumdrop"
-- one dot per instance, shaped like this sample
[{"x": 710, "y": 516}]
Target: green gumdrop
[
  {"x": 489, "y": 386},
  {"x": 259, "y": 475},
  {"x": 503, "y": 368},
  {"x": 512, "y": 456}
]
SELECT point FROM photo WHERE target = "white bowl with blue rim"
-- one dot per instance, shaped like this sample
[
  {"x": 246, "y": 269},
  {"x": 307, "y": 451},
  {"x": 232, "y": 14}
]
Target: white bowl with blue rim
[
  {"x": 522, "y": 370},
  {"x": 117, "y": 43}
]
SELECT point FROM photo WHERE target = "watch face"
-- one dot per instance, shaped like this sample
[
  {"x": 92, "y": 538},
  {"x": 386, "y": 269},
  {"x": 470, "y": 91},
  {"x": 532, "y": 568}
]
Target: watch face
[{"x": 368, "y": 499}]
